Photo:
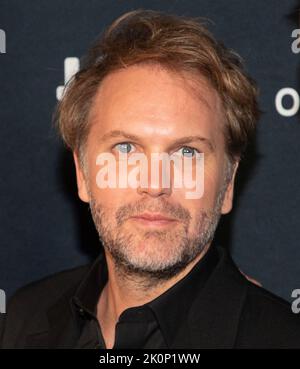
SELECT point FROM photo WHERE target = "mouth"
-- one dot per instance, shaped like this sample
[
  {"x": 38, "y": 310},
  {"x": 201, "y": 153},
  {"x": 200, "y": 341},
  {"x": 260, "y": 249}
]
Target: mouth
[{"x": 154, "y": 219}]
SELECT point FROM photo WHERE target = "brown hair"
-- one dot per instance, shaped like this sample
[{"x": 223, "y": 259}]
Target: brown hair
[{"x": 178, "y": 43}]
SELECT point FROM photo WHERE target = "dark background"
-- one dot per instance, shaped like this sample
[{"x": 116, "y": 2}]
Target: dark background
[{"x": 43, "y": 226}]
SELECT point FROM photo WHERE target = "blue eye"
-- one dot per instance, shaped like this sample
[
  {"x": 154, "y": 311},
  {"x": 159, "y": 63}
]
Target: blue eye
[
  {"x": 124, "y": 147},
  {"x": 188, "y": 151}
]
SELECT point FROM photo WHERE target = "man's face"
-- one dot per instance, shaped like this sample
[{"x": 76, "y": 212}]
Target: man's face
[{"x": 158, "y": 108}]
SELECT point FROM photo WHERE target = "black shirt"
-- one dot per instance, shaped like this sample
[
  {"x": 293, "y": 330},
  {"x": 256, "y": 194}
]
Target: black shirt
[
  {"x": 213, "y": 306},
  {"x": 152, "y": 325}
]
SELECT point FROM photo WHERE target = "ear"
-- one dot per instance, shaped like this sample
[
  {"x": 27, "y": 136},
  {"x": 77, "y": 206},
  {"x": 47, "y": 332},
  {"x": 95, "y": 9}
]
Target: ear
[
  {"x": 81, "y": 181},
  {"x": 228, "y": 197}
]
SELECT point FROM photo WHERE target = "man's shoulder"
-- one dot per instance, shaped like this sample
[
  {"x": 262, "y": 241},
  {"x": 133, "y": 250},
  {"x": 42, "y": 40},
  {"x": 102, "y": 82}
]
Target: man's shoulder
[
  {"x": 267, "y": 320},
  {"x": 258, "y": 300},
  {"x": 47, "y": 289},
  {"x": 54, "y": 284},
  {"x": 27, "y": 308}
]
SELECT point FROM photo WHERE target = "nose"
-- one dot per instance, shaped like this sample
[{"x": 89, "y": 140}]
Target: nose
[
  {"x": 154, "y": 192},
  {"x": 153, "y": 184}
]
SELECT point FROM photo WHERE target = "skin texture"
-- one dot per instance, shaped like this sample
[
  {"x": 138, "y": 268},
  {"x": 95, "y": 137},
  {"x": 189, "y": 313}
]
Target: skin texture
[{"x": 160, "y": 107}]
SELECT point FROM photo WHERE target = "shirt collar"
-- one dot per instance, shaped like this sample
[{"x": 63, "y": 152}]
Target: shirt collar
[
  {"x": 170, "y": 308},
  {"x": 87, "y": 294}
]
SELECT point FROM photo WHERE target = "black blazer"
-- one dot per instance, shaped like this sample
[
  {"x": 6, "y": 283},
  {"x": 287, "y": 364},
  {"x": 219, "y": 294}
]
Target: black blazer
[{"x": 234, "y": 314}]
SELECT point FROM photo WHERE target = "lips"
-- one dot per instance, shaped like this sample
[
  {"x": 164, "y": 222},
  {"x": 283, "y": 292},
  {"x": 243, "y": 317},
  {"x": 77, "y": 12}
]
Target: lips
[{"x": 155, "y": 217}]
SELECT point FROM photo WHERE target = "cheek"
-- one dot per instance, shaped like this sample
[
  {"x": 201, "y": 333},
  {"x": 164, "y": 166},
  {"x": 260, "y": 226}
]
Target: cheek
[
  {"x": 209, "y": 176},
  {"x": 110, "y": 198},
  {"x": 212, "y": 184}
]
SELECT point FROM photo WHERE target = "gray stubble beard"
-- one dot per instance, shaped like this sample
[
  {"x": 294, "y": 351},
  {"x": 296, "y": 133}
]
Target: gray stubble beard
[{"x": 151, "y": 273}]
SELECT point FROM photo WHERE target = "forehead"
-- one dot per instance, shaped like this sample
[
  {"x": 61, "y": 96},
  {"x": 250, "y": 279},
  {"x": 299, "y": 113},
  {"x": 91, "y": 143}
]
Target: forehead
[{"x": 153, "y": 100}]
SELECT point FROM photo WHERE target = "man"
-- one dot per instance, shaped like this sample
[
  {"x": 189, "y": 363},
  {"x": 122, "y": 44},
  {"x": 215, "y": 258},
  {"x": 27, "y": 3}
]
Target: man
[{"x": 155, "y": 83}]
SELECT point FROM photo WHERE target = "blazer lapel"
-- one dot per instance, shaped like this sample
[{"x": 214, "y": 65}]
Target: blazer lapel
[{"x": 214, "y": 318}]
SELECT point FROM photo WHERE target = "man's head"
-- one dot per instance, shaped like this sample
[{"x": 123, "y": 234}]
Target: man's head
[{"x": 152, "y": 84}]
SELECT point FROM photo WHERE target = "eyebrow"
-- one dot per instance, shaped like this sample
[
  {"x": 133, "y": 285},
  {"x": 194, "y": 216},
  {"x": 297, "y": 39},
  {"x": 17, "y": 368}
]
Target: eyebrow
[{"x": 179, "y": 141}]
